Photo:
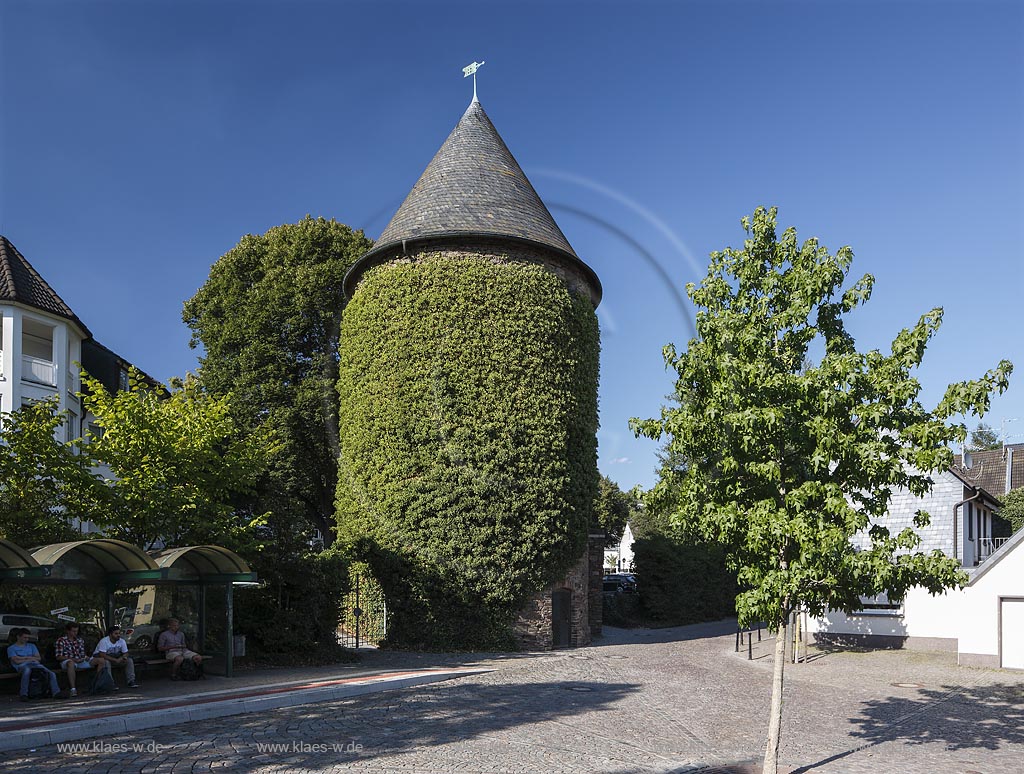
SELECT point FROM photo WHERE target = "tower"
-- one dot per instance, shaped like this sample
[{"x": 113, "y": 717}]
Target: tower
[{"x": 468, "y": 404}]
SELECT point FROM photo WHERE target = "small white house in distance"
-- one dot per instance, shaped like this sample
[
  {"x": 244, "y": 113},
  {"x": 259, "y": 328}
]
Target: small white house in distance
[
  {"x": 620, "y": 558},
  {"x": 983, "y": 622}
]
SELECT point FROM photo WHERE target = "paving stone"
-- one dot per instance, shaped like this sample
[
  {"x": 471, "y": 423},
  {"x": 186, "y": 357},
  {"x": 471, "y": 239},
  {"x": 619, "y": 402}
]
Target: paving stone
[{"x": 639, "y": 702}]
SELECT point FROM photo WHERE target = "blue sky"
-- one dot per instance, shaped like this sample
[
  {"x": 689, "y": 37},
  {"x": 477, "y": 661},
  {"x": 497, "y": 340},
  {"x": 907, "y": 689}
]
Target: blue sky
[{"x": 140, "y": 140}]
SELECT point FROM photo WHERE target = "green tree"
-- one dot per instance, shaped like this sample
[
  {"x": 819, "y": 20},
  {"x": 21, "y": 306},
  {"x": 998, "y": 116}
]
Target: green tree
[
  {"x": 1013, "y": 508},
  {"x": 612, "y": 509},
  {"x": 984, "y": 438},
  {"x": 177, "y": 462},
  {"x": 788, "y": 461},
  {"x": 42, "y": 480},
  {"x": 268, "y": 321}
]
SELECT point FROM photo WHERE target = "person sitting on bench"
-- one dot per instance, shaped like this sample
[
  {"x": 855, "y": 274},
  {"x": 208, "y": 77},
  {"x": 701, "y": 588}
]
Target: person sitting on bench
[
  {"x": 70, "y": 650},
  {"x": 24, "y": 657},
  {"x": 172, "y": 645},
  {"x": 113, "y": 650}
]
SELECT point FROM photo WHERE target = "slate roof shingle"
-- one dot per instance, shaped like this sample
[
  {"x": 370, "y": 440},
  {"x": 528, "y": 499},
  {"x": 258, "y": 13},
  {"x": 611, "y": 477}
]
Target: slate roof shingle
[
  {"x": 21, "y": 283},
  {"x": 472, "y": 187}
]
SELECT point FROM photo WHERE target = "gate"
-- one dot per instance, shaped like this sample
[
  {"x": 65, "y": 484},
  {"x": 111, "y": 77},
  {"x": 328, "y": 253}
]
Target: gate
[{"x": 364, "y": 613}]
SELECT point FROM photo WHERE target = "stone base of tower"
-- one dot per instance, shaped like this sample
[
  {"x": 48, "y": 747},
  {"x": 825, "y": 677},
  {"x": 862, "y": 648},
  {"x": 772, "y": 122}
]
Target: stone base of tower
[{"x": 567, "y": 614}]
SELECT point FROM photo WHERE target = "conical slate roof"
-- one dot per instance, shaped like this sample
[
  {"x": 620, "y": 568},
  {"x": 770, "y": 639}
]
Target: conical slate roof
[
  {"x": 21, "y": 283},
  {"x": 473, "y": 187}
]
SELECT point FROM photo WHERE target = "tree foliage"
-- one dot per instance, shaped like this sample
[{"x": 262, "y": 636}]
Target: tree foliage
[
  {"x": 468, "y": 417},
  {"x": 787, "y": 460},
  {"x": 42, "y": 479},
  {"x": 984, "y": 438},
  {"x": 1013, "y": 508},
  {"x": 177, "y": 462},
  {"x": 612, "y": 509},
  {"x": 268, "y": 321}
]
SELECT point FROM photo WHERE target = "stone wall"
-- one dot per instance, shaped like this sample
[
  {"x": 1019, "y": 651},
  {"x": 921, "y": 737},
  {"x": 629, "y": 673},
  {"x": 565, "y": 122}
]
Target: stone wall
[
  {"x": 596, "y": 596},
  {"x": 532, "y": 627}
]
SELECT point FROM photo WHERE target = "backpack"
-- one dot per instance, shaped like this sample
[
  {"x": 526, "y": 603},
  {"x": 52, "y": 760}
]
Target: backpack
[
  {"x": 103, "y": 682},
  {"x": 190, "y": 670},
  {"x": 39, "y": 684}
]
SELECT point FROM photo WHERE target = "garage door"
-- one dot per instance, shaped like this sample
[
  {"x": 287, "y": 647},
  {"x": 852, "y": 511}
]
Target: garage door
[{"x": 1011, "y": 621}]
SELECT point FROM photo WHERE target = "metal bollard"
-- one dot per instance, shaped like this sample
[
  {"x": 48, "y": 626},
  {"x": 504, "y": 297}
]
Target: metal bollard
[
  {"x": 738, "y": 636},
  {"x": 750, "y": 646}
]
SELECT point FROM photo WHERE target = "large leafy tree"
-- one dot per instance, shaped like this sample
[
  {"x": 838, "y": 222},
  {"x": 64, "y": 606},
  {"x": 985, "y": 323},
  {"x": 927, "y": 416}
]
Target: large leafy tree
[
  {"x": 177, "y": 461},
  {"x": 788, "y": 461},
  {"x": 268, "y": 321},
  {"x": 42, "y": 479}
]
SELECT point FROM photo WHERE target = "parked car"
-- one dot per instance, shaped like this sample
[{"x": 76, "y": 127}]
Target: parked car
[
  {"x": 142, "y": 636},
  {"x": 35, "y": 624},
  {"x": 619, "y": 583}
]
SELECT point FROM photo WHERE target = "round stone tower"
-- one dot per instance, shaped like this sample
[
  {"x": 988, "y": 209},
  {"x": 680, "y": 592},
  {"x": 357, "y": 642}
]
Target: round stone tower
[{"x": 469, "y": 366}]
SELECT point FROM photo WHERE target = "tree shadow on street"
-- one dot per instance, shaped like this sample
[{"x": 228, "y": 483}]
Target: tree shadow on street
[
  {"x": 380, "y": 724},
  {"x": 986, "y": 717}
]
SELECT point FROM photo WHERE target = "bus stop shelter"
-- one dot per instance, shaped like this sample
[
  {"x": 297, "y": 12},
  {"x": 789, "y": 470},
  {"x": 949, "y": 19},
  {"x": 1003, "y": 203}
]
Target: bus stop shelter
[{"x": 201, "y": 577}]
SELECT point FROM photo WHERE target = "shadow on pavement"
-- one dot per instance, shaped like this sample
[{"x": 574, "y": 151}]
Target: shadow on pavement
[
  {"x": 455, "y": 713},
  {"x": 984, "y": 717},
  {"x": 616, "y": 636}
]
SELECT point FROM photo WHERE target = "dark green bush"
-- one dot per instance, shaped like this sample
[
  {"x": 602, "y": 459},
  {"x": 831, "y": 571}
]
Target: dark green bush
[
  {"x": 622, "y": 610},
  {"x": 681, "y": 583},
  {"x": 297, "y": 610},
  {"x": 468, "y": 465}
]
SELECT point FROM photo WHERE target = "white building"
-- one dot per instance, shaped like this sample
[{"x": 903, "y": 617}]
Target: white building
[
  {"x": 621, "y": 557},
  {"x": 984, "y": 622},
  {"x": 41, "y": 340},
  {"x": 42, "y": 343}
]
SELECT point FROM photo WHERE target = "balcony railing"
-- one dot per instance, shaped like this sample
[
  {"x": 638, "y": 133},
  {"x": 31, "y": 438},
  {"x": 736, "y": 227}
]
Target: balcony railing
[
  {"x": 988, "y": 546},
  {"x": 34, "y": 369}
]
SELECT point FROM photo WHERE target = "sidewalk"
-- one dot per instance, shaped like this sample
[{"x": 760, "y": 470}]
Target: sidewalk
[{"x": 161, "y": 702}]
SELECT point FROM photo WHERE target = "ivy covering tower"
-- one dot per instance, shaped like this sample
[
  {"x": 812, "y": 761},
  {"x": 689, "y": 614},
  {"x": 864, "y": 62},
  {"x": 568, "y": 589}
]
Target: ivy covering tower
[{"x": 468, "y": 388}]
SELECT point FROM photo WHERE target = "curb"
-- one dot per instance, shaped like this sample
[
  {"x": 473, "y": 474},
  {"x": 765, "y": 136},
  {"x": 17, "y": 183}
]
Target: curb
[{"x": 185, "y": 709}]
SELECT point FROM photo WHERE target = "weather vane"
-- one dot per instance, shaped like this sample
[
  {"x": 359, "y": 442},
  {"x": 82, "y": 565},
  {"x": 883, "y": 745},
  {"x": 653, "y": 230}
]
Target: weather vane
[{"x": 469, "y": 70}]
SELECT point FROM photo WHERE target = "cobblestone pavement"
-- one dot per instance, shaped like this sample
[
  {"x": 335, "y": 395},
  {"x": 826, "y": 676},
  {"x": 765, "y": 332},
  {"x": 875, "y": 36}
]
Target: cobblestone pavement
[{"x": 674, "y": 700}]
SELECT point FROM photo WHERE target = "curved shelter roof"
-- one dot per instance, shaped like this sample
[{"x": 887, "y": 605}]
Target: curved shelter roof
[
  {"x": 16, "y": 562},
  {"x": 203, "y": 562},
  {"x": 473, "y": 187},
  {"x": 94, "y": 558},
  {"x": 12, "y": 556}
]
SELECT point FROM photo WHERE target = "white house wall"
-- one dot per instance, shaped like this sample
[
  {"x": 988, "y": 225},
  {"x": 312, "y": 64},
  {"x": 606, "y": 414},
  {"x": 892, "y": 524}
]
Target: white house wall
[
  {"x": 979, "y": 633},
  {"x": 966, "y": 621},
  {"x": 66, "y": 349}
]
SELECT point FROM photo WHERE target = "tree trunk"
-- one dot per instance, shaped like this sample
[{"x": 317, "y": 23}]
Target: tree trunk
[{"x": 771, "y": 752}]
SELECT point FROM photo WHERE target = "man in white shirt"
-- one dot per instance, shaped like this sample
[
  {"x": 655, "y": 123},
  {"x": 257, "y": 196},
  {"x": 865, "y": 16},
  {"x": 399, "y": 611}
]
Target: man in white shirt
[{"x": 113, "y": 651}]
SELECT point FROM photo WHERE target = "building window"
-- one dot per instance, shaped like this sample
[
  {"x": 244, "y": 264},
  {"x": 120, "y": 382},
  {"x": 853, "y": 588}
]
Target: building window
[
  {"x": 880, "y": 605},
  {"x": 970, "y": 522}
]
